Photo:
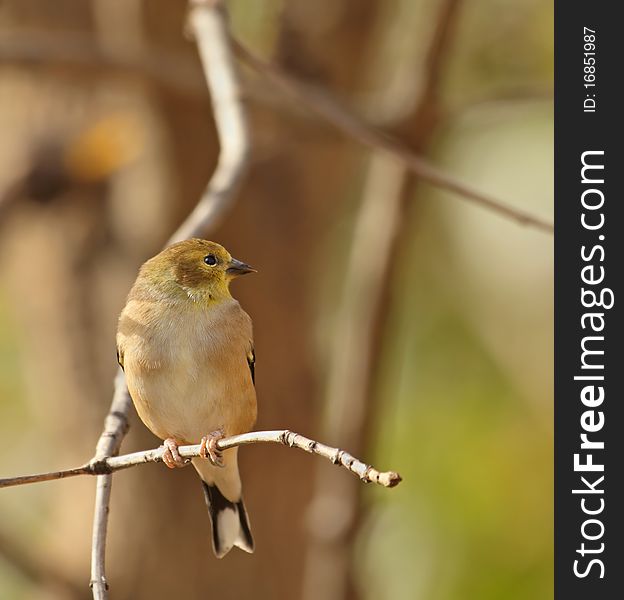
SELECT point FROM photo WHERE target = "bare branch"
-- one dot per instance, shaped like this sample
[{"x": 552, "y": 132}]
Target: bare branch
[
  {"x": 208, "y": 23},
  {"x": 106, "y": 465},
  {"x": 115, "y": 428},
  {"x": 177, "y": 73},
  {"x": 41, "y": 477},
  {"x": 322, "y": 104}
]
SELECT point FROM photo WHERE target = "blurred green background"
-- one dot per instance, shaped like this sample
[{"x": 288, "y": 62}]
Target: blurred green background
[{"x": 458, "y": 392}]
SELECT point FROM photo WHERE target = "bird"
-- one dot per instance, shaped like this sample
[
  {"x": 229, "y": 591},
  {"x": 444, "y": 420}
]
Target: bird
[{"x": 186, "y": 348}]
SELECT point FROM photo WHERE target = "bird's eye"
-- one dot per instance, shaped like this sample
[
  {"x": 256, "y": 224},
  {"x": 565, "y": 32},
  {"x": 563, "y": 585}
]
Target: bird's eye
[{"x": 210, "y": 260}]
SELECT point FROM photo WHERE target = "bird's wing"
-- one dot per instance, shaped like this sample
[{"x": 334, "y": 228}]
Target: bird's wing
[
  {"x": 120, "y": 358},
  {"x": 251, "y": 361}
]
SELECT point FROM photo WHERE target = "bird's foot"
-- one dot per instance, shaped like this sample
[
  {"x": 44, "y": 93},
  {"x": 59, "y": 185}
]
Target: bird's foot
[
  {"x": 208, "y": 448},
  {"x": 171, "y": 456}
]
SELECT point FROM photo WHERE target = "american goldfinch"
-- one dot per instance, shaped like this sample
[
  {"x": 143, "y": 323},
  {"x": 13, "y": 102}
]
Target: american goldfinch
[{"x": 186, "y": 348}]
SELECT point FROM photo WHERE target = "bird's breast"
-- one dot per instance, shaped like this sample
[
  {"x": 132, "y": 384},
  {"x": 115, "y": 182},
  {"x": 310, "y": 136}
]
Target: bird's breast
[{"x": 187, "y": 370}]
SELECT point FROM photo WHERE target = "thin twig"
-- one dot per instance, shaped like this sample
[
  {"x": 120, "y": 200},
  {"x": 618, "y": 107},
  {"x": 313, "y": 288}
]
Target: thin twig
[
  {"x": 322, "y": 104},
  {"x": 108, "y": 465},
  {"x": 49, "y": 476},
  {"x": 208, "y": 23},
  {"x": 319, "y": 102}
]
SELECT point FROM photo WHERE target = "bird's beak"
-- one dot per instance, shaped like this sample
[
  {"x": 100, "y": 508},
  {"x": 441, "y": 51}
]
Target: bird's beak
[{"x": 237, "y": 267}]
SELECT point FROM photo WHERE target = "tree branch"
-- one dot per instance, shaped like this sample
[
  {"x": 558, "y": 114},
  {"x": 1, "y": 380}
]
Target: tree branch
[
  {"x": 106, "y": 465},
  {"x": 177, "y": 73},
  {"x": 115, "y": 428},
  {"x": 319, "y": 102},
  {"x": 208, "y": 23}
]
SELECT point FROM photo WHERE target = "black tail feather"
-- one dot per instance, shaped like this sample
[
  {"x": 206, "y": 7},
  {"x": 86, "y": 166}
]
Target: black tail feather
[{"x": 225, "y": 532}]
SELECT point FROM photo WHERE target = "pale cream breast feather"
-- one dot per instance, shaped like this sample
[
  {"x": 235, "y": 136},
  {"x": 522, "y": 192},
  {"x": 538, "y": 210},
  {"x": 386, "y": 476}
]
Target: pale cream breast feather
[{"x": 186, "y": 367}]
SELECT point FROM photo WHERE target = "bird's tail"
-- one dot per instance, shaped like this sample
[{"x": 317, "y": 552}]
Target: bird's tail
[{"x": 230, "y": 524}]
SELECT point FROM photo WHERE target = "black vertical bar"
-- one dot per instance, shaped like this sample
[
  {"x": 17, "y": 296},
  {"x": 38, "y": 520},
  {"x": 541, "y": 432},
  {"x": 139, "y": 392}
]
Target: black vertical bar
[{"x": 589, "y": 268}]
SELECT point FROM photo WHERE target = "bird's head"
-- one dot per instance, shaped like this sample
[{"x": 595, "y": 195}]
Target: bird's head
[{"x": 200, "y": 269}]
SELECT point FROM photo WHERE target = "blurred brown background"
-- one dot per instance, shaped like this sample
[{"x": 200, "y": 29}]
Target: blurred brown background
[{"x": 108, "y": 142}]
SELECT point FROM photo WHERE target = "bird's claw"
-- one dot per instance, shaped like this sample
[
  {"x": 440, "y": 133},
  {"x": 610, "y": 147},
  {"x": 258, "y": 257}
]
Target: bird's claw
[
  {"x": 171, "y": 457},
  {"x": 208, "y": 448}
]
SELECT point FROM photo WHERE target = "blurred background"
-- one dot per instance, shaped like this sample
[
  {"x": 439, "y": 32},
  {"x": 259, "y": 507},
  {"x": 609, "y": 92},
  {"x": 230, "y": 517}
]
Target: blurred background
[{"x": 392, "y": 318}]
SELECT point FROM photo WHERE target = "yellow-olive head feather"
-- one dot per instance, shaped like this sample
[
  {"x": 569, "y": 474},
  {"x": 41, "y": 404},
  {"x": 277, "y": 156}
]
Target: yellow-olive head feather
[{"x": 196, "y": 269}]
